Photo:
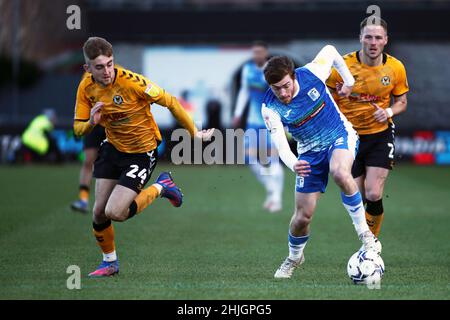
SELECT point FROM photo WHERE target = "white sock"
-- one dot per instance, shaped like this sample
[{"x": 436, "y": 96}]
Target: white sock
[
  {"x": 158, "y": 186},
  {"x": 109, "y": 257},
  {"x": 296, "y": 246},
  {"x": 355, "y": 208}
]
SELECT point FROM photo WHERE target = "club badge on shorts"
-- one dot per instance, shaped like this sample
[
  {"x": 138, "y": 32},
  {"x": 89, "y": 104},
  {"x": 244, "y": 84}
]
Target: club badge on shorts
[{"x": 300, "y": 182}]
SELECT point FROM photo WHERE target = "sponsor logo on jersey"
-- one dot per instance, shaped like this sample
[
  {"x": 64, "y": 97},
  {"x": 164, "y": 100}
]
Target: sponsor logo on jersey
[
  {"x": 118, "y": 100},
  {"x": 363, "y": 97},
  {"x": 287, "y": 113},
  {"x": 116, "y": 117},
  {"x": 386, "y": 81}
]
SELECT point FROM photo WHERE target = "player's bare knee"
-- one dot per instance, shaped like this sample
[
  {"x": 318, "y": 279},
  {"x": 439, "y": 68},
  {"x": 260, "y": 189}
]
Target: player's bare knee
[
  {"x": 110, "y": 213},
  {"x": 374, "y": 195},
  {"x": 302, "y": 218},
  {"x": 115, "y": 214},
  {"x": 301, "y": 222},
  {"x": 98, "y": 215},
  {"x": 341, "y": 177},
  {"x": 98, "y": 211}
]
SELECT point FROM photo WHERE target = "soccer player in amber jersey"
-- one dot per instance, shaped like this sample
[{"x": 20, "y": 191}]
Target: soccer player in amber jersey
[
  {"x": 120, "y": 100},
  {"x": 379, "y": 79}
]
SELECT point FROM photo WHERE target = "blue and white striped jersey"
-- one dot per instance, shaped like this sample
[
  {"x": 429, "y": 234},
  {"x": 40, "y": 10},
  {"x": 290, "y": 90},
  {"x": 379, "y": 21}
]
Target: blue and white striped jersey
[{"x": 312, "y": 117}]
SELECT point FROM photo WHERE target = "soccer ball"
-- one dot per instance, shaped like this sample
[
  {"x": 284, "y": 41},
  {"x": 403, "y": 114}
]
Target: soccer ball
[{"x": 365, "y": 267}]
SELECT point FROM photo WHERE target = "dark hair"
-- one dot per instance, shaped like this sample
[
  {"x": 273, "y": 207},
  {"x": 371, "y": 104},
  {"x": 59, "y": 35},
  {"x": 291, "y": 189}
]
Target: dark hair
[
  {"x": 277, "y": 68},
  {"x": 373, "y": 21},
  {"x": 260, "y": 43},
  {"x": 96, "y": 46}
]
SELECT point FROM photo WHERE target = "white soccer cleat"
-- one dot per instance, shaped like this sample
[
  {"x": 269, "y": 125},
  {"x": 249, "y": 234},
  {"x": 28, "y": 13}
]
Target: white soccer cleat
[
  {"x": 287, "y": 268},
  {"x": 370, "y": 242}
]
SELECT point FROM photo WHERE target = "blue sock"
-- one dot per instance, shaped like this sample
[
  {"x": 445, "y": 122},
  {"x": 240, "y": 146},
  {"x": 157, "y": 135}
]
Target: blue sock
[{"x": 296, "y": 246}]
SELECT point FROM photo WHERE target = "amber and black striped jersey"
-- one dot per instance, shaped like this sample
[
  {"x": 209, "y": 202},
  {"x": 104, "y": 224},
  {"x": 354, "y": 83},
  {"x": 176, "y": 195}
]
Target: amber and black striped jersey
[
  {"x": 372, "y": 84},
  {"x": 126, "y": 113}
]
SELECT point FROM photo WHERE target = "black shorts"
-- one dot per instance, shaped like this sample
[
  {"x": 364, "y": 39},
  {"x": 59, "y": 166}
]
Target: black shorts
[
  {"x": 375, "y": 150},
  {"x": 133, "y": 170},
  {"x": 94, "y": 138}
]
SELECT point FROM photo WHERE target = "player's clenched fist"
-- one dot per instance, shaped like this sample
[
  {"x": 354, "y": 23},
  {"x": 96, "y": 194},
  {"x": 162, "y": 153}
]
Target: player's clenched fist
[
  {"x": 379, "y": 114},
  {"x": 302, "y": 168},
  {"x": 343, "y": 90}
]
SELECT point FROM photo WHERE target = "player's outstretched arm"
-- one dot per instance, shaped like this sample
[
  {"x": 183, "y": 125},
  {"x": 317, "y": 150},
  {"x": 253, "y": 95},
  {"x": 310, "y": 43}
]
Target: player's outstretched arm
[
  {"x": 152, "y": 93},
  {"x": 183, "y": 118},
  {"x": 321, "y": 66}
]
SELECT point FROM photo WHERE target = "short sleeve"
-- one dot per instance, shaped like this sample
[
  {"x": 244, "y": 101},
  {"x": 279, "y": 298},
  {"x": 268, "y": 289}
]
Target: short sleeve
[
  {"x": 145, "y": 89},
  {"x": 82, "y": 105},
  {"x": 401, "y": 83}
]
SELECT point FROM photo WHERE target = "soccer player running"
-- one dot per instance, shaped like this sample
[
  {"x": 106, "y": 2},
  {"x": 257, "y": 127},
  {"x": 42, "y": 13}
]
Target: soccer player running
[
  {"x": 252, "y": 90},
  {"x": 120, "y": 99},
  {"x": 326, "y": 143},
  {"x": 379, "y": 78}
]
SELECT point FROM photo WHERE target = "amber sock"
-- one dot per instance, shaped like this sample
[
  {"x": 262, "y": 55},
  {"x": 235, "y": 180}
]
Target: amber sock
[
  {"x": 84, "y": 193},
  {"x": 375, "y": 215},
  {"x": 144, "y": 199},
  {"x": 104, "y": 233}
]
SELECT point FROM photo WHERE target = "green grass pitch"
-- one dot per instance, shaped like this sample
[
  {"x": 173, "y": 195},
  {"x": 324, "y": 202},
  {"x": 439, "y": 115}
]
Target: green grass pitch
[{"x": 220, "y": 244}]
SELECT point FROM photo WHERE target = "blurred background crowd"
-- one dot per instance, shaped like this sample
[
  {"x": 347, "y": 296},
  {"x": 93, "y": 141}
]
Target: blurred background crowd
[{"x": 195, "y": 49}]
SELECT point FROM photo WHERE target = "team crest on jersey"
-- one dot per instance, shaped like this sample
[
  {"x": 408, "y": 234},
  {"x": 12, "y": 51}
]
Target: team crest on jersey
[
  {"x": 314, "y": 94},
  {"x": 118, "y": 100},
  {"x": 385, "y": 80}
]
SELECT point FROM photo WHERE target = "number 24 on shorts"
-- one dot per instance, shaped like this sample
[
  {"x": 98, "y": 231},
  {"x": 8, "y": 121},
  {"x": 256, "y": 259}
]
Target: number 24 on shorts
[{"x": 132, "y": 173}]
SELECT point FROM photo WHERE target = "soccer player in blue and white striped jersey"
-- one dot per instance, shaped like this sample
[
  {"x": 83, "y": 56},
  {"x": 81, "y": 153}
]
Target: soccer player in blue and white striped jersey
[{"x": 326, "y": 143}]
